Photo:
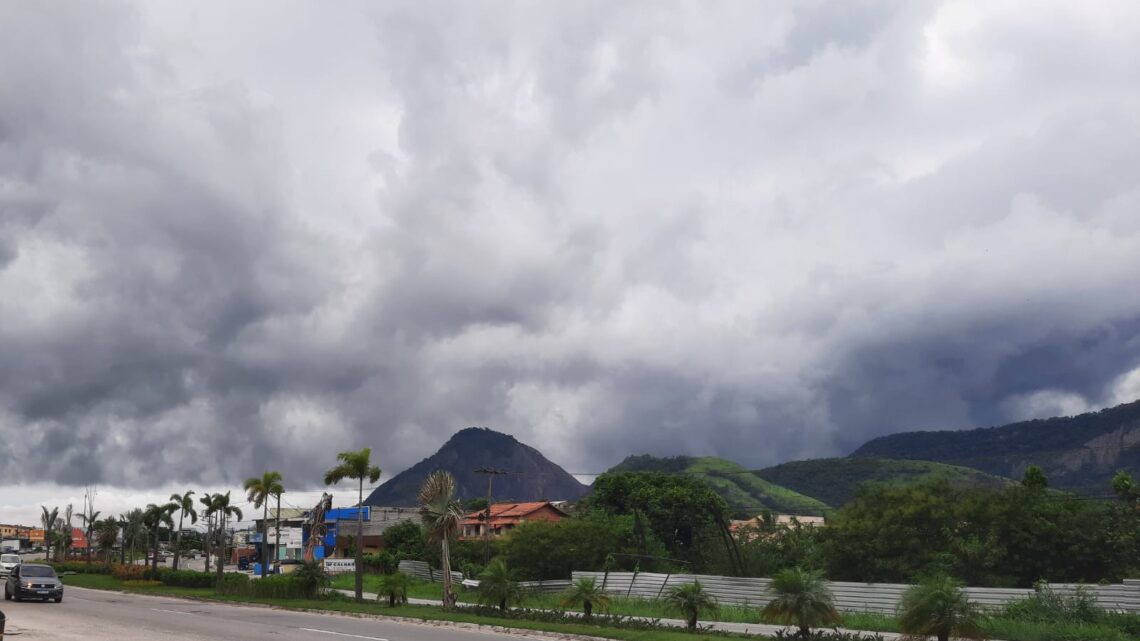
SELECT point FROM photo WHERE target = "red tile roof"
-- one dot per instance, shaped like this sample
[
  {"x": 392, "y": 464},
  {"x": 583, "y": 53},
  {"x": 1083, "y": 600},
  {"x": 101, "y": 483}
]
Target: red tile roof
[{"x": 508, "y": 512}]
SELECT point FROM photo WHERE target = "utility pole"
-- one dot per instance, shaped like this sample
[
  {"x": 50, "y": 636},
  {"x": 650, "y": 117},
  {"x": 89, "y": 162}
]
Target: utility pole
[{"x": 490, "y": 473}]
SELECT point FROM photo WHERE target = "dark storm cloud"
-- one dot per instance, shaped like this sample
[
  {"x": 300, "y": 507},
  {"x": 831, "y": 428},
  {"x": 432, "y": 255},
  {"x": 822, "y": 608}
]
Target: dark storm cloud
[{"x": 761, "y": 233}]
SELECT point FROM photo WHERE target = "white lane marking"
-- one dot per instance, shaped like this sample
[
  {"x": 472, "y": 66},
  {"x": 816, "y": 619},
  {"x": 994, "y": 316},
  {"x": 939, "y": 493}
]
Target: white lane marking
[
  {"x": 342, "y": 634},
  {"x": 171, "y": 611}
]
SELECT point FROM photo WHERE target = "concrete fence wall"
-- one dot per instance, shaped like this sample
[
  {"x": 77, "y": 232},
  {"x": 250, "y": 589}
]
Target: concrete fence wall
[{"x": 856, "y": 597}]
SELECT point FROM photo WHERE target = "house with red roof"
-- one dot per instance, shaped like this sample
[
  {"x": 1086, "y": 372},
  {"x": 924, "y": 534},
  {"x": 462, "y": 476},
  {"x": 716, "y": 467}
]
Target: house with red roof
[{"x": 506, "y": 516}]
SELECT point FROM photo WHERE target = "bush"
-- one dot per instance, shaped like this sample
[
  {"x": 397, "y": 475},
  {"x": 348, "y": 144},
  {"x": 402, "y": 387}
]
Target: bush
[
  {"x": 81, "y": 568},
  {"x": 187, "y": 578},
  {"x": 827, "y": 635},
  {"x": 278, "y": 586},
  {"x": 234, "y": 583},
  {"x": 129, "y": 572},
  {"x": 1047, "y": 606}
]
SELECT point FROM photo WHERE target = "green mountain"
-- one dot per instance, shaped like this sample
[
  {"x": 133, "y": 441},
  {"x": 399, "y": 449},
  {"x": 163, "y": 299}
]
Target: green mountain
[
  {"x": 836, "y": 480},
  {"x": 1078, "y": 453},
  {"x": 745, "y": 492}
]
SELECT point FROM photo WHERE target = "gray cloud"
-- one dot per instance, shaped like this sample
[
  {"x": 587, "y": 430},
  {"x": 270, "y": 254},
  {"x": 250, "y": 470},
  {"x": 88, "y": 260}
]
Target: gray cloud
[{"x": 231, "y": 240}]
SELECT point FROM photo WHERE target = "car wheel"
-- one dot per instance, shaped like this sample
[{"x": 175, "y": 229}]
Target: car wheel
[
  {"x": 7, "y": 594},
  {"x": 59, "y": 599}
]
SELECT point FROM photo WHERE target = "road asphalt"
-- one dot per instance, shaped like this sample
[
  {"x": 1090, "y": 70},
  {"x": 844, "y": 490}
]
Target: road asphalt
[{"x": 96, "y": 615}]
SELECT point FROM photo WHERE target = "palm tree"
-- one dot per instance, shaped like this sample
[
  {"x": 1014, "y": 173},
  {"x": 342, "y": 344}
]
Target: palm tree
[
  {"x": 311, "y": 577},
  {"x": 258, "y": 490},
  {"x": 183, "y": 504},
  {"x": 356, "y": 465},
  {"x": 938, "y": 607},
  {"x": 133, "y": 530},
  {"x": 692, "y": 600},
  {"x": 587, "y": 592},
  {"x": 89, "y": 520},
  {"x": 497, "y": 585},
  {"x": 106, "y": 533},
  {"x": 221, "y": 508},
  {"x": 205, "y": 501},
  {"x": 442, "y": 516},
  {"x": 156, "y": 516},
  {"x": 395, "y": 586},
  {"x": 47, "y": 520},
  {"x": 801, "y": 598}
]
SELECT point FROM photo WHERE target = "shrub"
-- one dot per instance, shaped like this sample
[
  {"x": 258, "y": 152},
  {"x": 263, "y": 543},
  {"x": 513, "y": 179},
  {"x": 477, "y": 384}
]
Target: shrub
[
  {"x": 800, "y": 597},
  {"x": 81, "y": 568},
  {"x": 1046, "y": 605},
  {"x": 310, "y": 578},
  {"x": 395, "y": 587},
  {"x": 938, "y": 607},
  {"x": 234, "y": 583},
  {"x": 187, "y": 578},
  {"x": 827, "y": 635},
  {"x": 278, "y": 586},
  {"x": 129, "y": 572}
]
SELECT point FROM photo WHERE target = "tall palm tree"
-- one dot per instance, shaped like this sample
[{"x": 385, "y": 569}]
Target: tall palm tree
[
  {"x": 134, "y": 530},
  {"x": 205, "y": 501},
  {"x": 692, "y": 600},
  {"x": 938, "y": 607},
  {"x": 156, "y": 516},
  {"x": 47, "y": 520},
  {"x": 221, "y": 508},
  {"x": 801, "y": 598},
  {"x": 106, "y": 533},
  {"x": 258, "y": 490},
  {"x": 587, "y": 592},
  {"x": 497, "y": 585},
  {"x": 184, "y": 505},
  {"x": 89, "y": 519},
  {"x": 356, "y": 465},
  {"x": 442, "y": 516}
]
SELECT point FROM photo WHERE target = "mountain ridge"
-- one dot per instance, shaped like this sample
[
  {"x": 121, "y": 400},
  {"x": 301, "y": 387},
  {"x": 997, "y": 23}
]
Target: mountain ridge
[
  {"x": 1079, "y": 453},
  {"x": 532, "y": 476}
]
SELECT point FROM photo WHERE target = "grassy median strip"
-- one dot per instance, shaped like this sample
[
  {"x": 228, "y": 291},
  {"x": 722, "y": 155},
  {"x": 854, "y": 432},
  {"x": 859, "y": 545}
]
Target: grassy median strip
[{"x": 419, "y": 612}]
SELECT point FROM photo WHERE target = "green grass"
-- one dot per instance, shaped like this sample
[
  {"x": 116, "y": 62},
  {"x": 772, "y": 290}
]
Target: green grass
[
  {"x": 1003, "y": 628},
  {"x": 420, "y": 612}
]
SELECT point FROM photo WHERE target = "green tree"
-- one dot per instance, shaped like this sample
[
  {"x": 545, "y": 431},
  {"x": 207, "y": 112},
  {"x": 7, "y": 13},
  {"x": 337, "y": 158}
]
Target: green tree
[
  {"x": 258, "y": 490},
  {"x": 497, "y": 586},
  {"x": 221, "y": 509},
  {"x": 184, "y": 505},
  {"x": 683, "y": 511},
  {"x": 134, "y": 532},
  {"x": 938, "y": 607},
  {"x": 47, "y": 521},
  {"x": 1034, "y": 478},
  {"x": 106, "y": 533},
  {"x": 395, "y": 587},
  {"x": 801, "y": 598},
  {"x": 89, "y": 519},
  {"x": 310, "y": 577},
  {"x": 589, "y": 594},
  {"x": 553, "y": 549},
  {"x": 154, "y": 517},
  {"x": 356, "y": 465},
  {"x": 406, "y": 540},
  {"x": 691, "y": 600},
  {"x": 442, "y": 516},
  {"x": 206, "y": 500}
]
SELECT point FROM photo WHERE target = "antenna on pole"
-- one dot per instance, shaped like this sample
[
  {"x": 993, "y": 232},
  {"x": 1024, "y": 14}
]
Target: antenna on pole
[{"x": 490, "y": 473}]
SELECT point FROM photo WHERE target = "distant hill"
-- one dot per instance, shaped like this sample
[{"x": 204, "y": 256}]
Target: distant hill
[
  {"x": 533, "y": 477},
  {"x": 1079, "y": 453},
  {"x": 836, "y": 480},
  {"x": 746, "y": 493}
]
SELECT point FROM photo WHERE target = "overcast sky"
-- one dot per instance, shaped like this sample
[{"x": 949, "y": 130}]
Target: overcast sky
[{"x": 248, "y": 235}]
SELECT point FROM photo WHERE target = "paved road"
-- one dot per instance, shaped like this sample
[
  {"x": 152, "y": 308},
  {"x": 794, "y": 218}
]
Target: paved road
[{"x": 95, "y": 615}]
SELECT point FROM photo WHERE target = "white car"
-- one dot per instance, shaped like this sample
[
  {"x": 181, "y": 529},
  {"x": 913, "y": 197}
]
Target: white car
[{"x": 7, "y": 562}]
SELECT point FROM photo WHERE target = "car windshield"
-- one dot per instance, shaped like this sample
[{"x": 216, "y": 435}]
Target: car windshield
[
  {"x": 9, "y": 558},
  {"x": 36, "y": 570}
]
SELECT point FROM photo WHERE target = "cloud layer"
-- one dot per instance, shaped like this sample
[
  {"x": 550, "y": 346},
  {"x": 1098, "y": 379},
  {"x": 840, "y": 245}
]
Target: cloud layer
[{"x": 235, "y": 236}]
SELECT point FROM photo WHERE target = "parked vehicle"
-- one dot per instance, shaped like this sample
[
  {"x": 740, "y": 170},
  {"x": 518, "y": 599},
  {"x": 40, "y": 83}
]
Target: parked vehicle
[
  {"x": 7, "y": 562},
  {"x": 33, "y": 581}
]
